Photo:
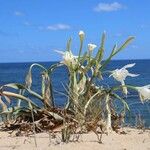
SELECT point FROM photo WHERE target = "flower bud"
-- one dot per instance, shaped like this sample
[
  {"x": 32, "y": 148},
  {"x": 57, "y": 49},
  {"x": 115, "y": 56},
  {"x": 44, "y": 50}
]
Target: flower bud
[
  {"x": 91, "y": 46},
  {"x": 81, "y": 35}
]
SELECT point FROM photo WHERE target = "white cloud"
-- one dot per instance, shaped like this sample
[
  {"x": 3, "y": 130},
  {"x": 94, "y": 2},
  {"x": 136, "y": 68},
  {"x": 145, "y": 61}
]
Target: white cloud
[
  {"x": 58, "y": 27},
  {"x": 108, "y": 7},
  {"x": 18, "y": 13},
  {"x": 26, "y": 23}
]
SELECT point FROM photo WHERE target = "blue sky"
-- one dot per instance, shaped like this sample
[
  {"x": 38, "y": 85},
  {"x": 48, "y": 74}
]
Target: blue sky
[{"x": 30, "y": 30}]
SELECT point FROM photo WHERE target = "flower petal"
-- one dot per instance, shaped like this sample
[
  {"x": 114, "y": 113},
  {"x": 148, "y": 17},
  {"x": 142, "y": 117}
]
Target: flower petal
[
  {"x": 129, "y": 66},
  {"x": 60, "y": 52},
  {"x": 133, "y": 75}
]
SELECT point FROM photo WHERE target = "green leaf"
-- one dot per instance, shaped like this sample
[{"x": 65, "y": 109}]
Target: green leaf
[
  {"x": 30, "y": 106},
  {"x": 83, "y": 58},
  {"x": 109, "y": 58},
  {"x": 80, "y": 50},
  {"x": 47, "y": 90},
  {"x": 3, "y": 105},
  {"x": 122, "y": 100},
  {"x": 116, "y": 50},
  {"x": 124, "y": 45},
  {"x": 53, "y": 67},
  {"x": 68, "y": 48},
  {"x": 9, "y": 110},
  {"x": 100, "y": 52},
  {"x": 7, "y": 99},
  {"x": 16, "y": 86},
  {"x": 28, "y": 79},
  {"x": 89, "y": 101},
  {"x": 22, "y": 87},
  {"x": 37, "y": 65},
  {"x": 18, "y": 96}
]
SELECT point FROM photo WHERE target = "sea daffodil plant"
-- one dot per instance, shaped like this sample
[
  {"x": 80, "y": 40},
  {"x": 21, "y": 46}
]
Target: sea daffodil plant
[{"x": 88, "y": 101}]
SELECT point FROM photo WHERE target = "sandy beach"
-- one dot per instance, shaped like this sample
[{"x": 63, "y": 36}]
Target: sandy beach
[{"x": 133, "y": 139}]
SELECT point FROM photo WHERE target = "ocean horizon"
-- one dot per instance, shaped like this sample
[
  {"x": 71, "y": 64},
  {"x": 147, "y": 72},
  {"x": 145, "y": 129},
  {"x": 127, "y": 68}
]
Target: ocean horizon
[{"x": 53, "y": 61}]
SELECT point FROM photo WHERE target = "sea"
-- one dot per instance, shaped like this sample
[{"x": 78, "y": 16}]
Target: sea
[{"x": 139, "y": 112}]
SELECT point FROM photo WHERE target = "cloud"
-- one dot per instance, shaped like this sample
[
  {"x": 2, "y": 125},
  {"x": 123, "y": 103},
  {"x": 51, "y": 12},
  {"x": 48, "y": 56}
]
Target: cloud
[
  {"x": 18, "y": 13},
  {"x": 58, "y": 27},
  {"x": 26, "y": 23},
  {"x": 108, "y": 7},
  {"x": 53, "y": 27}
]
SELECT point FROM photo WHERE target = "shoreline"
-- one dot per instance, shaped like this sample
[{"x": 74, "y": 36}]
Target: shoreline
[{"x": 131, "y": 139}]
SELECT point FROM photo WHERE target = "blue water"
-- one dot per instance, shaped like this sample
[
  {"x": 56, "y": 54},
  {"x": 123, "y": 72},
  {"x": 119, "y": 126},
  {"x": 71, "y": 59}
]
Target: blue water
[{"x": 15, "y": 72}]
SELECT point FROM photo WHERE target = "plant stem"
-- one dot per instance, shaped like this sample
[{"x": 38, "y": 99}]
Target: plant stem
[
  {"x": 34, "y": 127},
  {"x": 81, "y": 45},
  {"x": 108, "y": 126}
]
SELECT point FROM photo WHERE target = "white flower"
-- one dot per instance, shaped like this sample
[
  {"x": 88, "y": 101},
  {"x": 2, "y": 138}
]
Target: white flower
[
  {"x": 144, "y": 92},
  {"x": 91, "y": 46},
  {"x": 68, "y": 58},
  {"x": 121, "y": 74},
  {"x": 81, "y": 34}
]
